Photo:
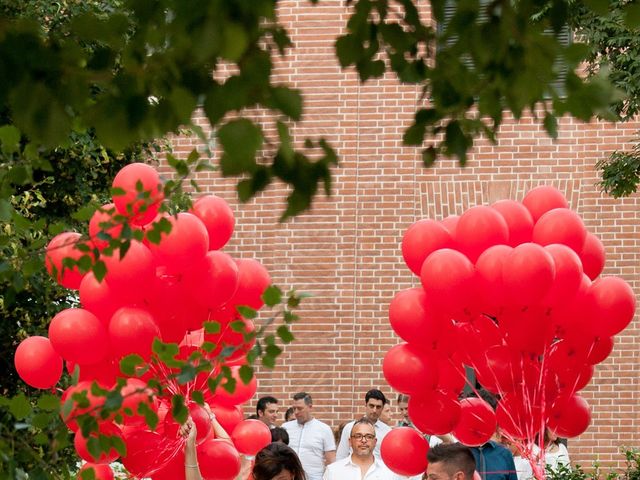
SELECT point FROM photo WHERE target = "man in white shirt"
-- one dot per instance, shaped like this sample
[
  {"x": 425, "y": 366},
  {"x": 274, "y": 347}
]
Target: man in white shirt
[
  {"x": 374, "y": 403},
  {"x": 361, "y": 464},
  {"x": 311, "y": 439}
]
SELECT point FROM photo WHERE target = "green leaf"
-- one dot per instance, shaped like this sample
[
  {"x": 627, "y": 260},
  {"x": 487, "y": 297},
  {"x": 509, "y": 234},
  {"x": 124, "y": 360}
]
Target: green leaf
[
  {"x": 179, "y": 411},
  {"x": 349, "y": 50},
  {"x": 213, "y": 327},
  {"x": 632, "y": 15},
  {"x": 272, "y": 296},
  {"x": 246, "y": 312},
  {"x": 429, "y": 156},
  {"x": 551, "y": 125},
  {"x": 246, "y": 374},
  {"x": 9, "y": 139},
  {"x": 19, "y": 406},
  {"x": 49, "y": 402},
  {"x": 285, "y": 334},
  {"x": 99, "y": 270},
  {"x": 287, "y": 100},
  {"x": 198, "y": 397},
  {"x": 6, "y": 210},
  {"x": 129, "y": 363},
  {"x": 241, "y": 139}
]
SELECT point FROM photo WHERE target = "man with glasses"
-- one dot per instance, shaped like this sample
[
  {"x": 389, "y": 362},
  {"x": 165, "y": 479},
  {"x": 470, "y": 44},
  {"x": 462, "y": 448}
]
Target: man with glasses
[
  {"x": 374, "y": 401},
  {"x": 361, "y": 464}
]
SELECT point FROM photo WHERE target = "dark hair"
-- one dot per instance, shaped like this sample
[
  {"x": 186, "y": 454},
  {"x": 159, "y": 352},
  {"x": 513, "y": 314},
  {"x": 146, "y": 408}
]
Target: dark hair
[
  {"x": 263, "y": 402},
  {"x": 402, "y": 398},
  {"x": 454, "y": 457},
  {"x": 303, "y": 396},
  {"x": 279, "y": 434},
  {"x": 273, "y": 459},
  {"x": 253, "y": 416},
  {"x": 485, "y": 395},
  {"x": 288, "y": 413},
  {"x": 363, "y": 420},
  {"x": 375, "y": 394}
]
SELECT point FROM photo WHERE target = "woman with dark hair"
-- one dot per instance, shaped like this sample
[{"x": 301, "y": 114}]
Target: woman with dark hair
[{"x": 277, "y": 461}]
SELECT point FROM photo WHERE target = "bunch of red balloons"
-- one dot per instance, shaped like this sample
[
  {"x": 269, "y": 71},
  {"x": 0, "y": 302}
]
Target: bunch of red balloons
[
  {"x": 512, "y": 290},
  {"x": 155, "y": 290}
]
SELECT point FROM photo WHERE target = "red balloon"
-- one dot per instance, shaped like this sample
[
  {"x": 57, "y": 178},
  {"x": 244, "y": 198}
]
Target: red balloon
[
  {"x": 489, "y": 282},
  {"x": 528, "y": 274},
  {"x": 565, "y": 355},
  {"x": 451, "y": 224},
  {"x": 214, "y": 279},
  {"x": 569, "y": 318},
  {"x": 37, "y": 363},
  {"x": 519, "y": 416},
  {"x": 541, "y": 199},
  {"x": 421, "y": 239},
  {"x": 502, "y": 369},
  {"x": 171, "y": 470},
  {"x": 132, "y": 330},
  {"x": 404, "y": 451},
  {"x": 217, "y": 217},
  {"x": 569, "y": 416},
  {"x": 218, "y": 460},
  {"x": 106, "y": 429},
  {"x": 143, "y": 192},
  {"x": 473, "y": 338},
  {"x": 100, "y": 472},
  {"x": 200, "y": 418},
  {"x": 227, "y": 417},
  {"x": 90, "y": 403},
  {"x": 105, "y": 373},
  {"x": 408, "y": 369},
  {"x": 251, "y": 436},
  {"x": 241, "y": 394},
  {"x": 147, "y": 452},
  {"x": 135, "y": 393},
  {"x": 592, "y": 255},
  {"x": 79, "y": 336},
  {"x": 130, "y": 276},
  {"x": 422, "y": 408},
  {"x": 451, "y": 375},
  {"x": 570, "y": 381},
  {"x": 480, "y": 228},
  {"x": 610, "y": 306},
  {"x": 527, "y": 329},
  {"x": 519, "y": 221},
  {"x": 413, "y": 318},
  {"x": 600, "y": 349},
  {"x": 173, "y": 308},
  {"x": 60, "y": 247},
  {"x": 98, "y": 298},
  {"x": 447, "y": 278},
  {"x": 568, "y": 275},
  {"x": 560, "y": 225},
  {"x": 185, "y": 245},
  {"x": 104, "y": 221},
  {"x": 477, "y": 422},
  {"x": 253, "y": 280}
]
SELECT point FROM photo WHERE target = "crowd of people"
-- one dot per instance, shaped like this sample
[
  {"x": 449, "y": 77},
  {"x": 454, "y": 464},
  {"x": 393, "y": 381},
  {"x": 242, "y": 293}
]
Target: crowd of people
[{"x": 305, "y": 448}]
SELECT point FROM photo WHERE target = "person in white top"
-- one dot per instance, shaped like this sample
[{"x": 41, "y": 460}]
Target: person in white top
[
  {"x": 374, "y": 403},
  {"x": 555, "y": 453},
  {"x": 310, "y": 438},
  {"x": 361, "y": 464}
]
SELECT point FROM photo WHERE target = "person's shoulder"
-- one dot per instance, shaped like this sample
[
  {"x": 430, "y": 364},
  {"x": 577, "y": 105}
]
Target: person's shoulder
[
  {"x": 321, "y": 425},
  {"x": 289, "y": 425}
]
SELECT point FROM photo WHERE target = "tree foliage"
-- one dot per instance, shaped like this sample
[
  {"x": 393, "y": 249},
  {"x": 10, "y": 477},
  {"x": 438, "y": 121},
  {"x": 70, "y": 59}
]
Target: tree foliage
[
  {"x": 614, "y": 47},
  {"x": 87, "y": 86}
]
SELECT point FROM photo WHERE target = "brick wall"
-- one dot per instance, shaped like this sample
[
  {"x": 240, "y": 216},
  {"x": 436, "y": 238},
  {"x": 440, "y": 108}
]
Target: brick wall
[{"x": 346, "y": 251}]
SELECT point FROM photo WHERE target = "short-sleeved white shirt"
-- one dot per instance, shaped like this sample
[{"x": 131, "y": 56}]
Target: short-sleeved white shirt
[
  {"x": 345, "y": 469},
  {"x": 344, "y": 450},
  {"x": 311, "y": 441}
]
